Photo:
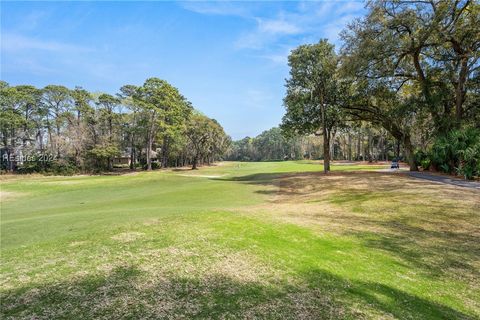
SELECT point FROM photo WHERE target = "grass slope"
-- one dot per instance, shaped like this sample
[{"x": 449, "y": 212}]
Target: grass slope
[{"x": 240, "y": 240}]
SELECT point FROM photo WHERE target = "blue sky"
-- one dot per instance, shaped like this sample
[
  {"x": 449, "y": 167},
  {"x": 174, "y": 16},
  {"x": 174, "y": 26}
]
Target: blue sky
[{"x": 228, "y": 58}]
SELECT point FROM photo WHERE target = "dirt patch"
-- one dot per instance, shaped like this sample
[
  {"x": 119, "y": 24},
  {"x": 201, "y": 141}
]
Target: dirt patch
[
  {"x": 9, "y": 195},
  {"x": 201, "y": 175},
  {"x": 128, "y": 236},
  {"x": 346, "y": 201},
  {"x": 241, "y": 267},
  {"x": 62, "y": 183},
  {"x": 78, "y": 243}
]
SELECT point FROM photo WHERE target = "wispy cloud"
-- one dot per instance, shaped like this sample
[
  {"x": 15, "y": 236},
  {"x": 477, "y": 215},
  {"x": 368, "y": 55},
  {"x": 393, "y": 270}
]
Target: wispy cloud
[
  {"x": 258, "y": 99},
  {"x": 27, "y": 64},
  {"x": 280, "y": 59},
  {"x": 16, "y": 43},
  {"x": 267, "y": 31},
  {"x": 279, "y": 56},
  {"x": 308, "y": 22},
  {"x": 347, "y": 7},
  {"x": 278, "y": 26},
  {"x": 216, "y": 8},
  {"x": 32, "y": 20}
]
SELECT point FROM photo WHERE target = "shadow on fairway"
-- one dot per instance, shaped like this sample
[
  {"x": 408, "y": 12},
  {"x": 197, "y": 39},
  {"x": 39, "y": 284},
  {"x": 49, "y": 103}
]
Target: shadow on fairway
[
  {"x": 387, "y": 215},
  {"x": 128, "y": 292},
  {"x": 256, "y": 178},
  {"x": 292, "y": 183}
]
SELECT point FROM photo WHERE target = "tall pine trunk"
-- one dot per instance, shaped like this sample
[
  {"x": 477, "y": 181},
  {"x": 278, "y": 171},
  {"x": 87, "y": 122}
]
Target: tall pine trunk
[{"x": 150, "y": 140}]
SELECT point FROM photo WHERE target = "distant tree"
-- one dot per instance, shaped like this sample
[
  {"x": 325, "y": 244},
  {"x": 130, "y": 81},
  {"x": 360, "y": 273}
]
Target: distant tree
[
  {"x": 271, "y": 145},
  {"x": 108, "y": 104},
  {"x": 164, "y": 108},
  {"x": 220, "y": 142},
  {"x": 204, "y": 135},
  {"x": 78, "y": 133},
  {"x": 85, "y": 131},
  {"x": 11, "y": 121},
  {"x": 132, "y": 127},
  {"x": 57, "y": 101}
]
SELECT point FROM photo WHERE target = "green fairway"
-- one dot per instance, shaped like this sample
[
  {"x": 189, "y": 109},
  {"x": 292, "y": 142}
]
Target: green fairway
[{"x": 276, "y": 240}]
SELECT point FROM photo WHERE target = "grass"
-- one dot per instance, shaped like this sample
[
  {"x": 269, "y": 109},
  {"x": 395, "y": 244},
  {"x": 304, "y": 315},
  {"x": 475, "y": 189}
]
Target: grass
[{"x": 240, "y": 240}]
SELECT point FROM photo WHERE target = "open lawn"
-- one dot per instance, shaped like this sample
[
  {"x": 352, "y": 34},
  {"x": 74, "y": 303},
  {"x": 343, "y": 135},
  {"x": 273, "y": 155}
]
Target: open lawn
[{"x": 276, "y": 240}]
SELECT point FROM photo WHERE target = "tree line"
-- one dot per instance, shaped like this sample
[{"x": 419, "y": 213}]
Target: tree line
[
  {"x": 359, "y": 142},
  {"x": 405, "y": 83},
  {"x": 410, "y": 68},
  {"x": 56, "y": 129}
]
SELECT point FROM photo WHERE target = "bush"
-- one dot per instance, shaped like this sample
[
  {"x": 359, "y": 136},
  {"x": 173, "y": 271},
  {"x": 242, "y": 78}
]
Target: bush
[
  {"x": 101, "y": 155},
  {"x": 425, "y": 163},
  {"x": 63, "y": 168},
  {"x": 37, "y": 163},
  {"x": 155, "y": 165},
  {"x": 30, "y": 167},
  {"x": 422, "y": 158},
  {"x": 47, "y": 164},
  {"x": 445, "y": 168},
  {"x": 458, "y": 151}
]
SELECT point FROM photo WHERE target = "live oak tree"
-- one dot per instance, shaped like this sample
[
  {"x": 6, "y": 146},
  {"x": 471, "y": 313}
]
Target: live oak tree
[
  {"x": 376, "y": 103},
  {"x": 432, "y": 46},
  {"x": 312, "y": 98},
  {"x": 413, "y": 66}
]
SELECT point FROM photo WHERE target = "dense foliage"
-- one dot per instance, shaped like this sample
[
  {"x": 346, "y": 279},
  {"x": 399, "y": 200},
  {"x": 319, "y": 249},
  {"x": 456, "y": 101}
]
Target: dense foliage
[
  {"x": 64, "y": 131},
  {"x": 409, "y": 67},
  {"x": 413, "y": 69},
  {"x": 405, "y": 84},
  {"x": 360, "y": 142},
  {"x": 458, "y": 151}
]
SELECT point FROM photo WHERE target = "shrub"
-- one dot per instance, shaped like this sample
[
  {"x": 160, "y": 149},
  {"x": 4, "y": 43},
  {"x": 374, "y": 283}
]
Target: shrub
[
  {"x": 37, "y": 163},
  {"x": 47, "y": 164},
  {"x": 101, "y": 155},
  {"x": 458, "y": 150},
  {"x": 425, "y": 163},
  {"x": 155, "y": 165},
  {"x": 445, "y": 168},
  {"x": 63, "y": 168}
]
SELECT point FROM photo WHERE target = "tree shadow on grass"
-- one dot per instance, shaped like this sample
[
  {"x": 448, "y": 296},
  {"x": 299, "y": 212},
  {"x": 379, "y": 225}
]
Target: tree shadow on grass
[
  {"x": 274, "y": 181},
  {"x": 131, "y": 293},
  {"x": 293, "y": 182},
  {"x": 429, "y": 239},
  {"x": 256, "y": 178},
  {"x": 438, "y": 254}
]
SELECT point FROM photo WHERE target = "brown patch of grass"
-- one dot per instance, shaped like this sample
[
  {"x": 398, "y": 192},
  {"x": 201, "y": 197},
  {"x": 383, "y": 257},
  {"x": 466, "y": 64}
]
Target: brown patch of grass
[
  {"x": 78, "y": 243},
  {"x": 128, "y": 236},
  {"x": 432, "y": 226},
  {"x": 347, "y": 199},
  {"x": 9, "y": 195}
]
